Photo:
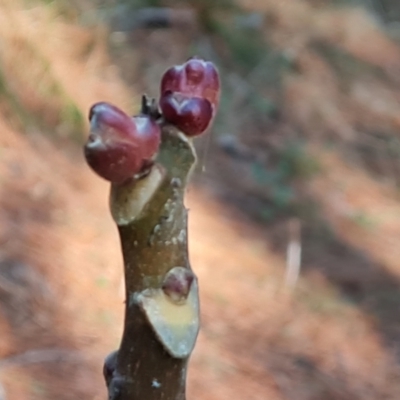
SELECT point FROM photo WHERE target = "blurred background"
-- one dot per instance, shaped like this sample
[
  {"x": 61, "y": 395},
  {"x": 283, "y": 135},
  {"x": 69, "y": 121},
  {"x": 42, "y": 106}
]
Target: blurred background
[{"x": 294, "y": 206}]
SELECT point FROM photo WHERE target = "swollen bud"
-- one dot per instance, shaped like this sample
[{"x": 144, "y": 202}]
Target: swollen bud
[
  {"x": 190, "y": 95},
  {"x": 190, "y": 115},
  {"x": 177, "y": 284},
  {"x": 110, "y": 366},
  {"x": 195, "y": 78},
  {"x": 119, "y": 147}
]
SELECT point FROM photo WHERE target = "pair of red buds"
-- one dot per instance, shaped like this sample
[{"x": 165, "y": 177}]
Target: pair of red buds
[{"x": 120, "y": 147}]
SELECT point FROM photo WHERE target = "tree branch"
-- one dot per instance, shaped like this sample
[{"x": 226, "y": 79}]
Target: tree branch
[
  {"x": 148, "y": 162},
  {"x": 161, "y": 320}
]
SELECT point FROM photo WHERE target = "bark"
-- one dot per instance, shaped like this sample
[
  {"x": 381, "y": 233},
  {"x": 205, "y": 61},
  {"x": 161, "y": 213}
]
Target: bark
[{"x": 161, "y": 308}]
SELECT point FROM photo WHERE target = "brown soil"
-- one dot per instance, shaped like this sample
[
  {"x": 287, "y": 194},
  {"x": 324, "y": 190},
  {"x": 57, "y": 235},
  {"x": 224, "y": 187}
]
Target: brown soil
[{"x": 336, "y": 335}]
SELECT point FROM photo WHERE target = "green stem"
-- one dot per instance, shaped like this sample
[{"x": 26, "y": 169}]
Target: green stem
[{"x": 162, "y": 308}]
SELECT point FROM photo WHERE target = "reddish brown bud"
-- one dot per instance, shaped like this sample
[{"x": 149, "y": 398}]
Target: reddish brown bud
[
  {"x": 190, "y": 95},
  {"x": 195, "y": 78},
  {"x": 119, "y": 146},
  {"x": 177, "y": 284},
  {"x": 149, "y": 135},
  {"x": 110, "y": 366},
  {"x": 191, "y": 115}
]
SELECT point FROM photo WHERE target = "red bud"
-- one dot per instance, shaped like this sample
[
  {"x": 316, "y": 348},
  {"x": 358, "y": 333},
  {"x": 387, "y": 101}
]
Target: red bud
[
  {"x": 118, "y": 145},
  {"x": 110, "y": 366},
  {"x": 191, "y": 115},
  {"x": 149, "y": 134},
  {"x": 177, "y": 284},
  {"x": 195, "y": 78}
]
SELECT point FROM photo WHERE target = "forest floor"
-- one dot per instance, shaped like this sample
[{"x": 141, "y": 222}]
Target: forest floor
[{"x": 335, "y": 335}]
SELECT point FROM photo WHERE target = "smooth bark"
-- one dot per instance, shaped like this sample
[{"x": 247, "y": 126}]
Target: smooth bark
[{"x": 162, "y": 308}]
